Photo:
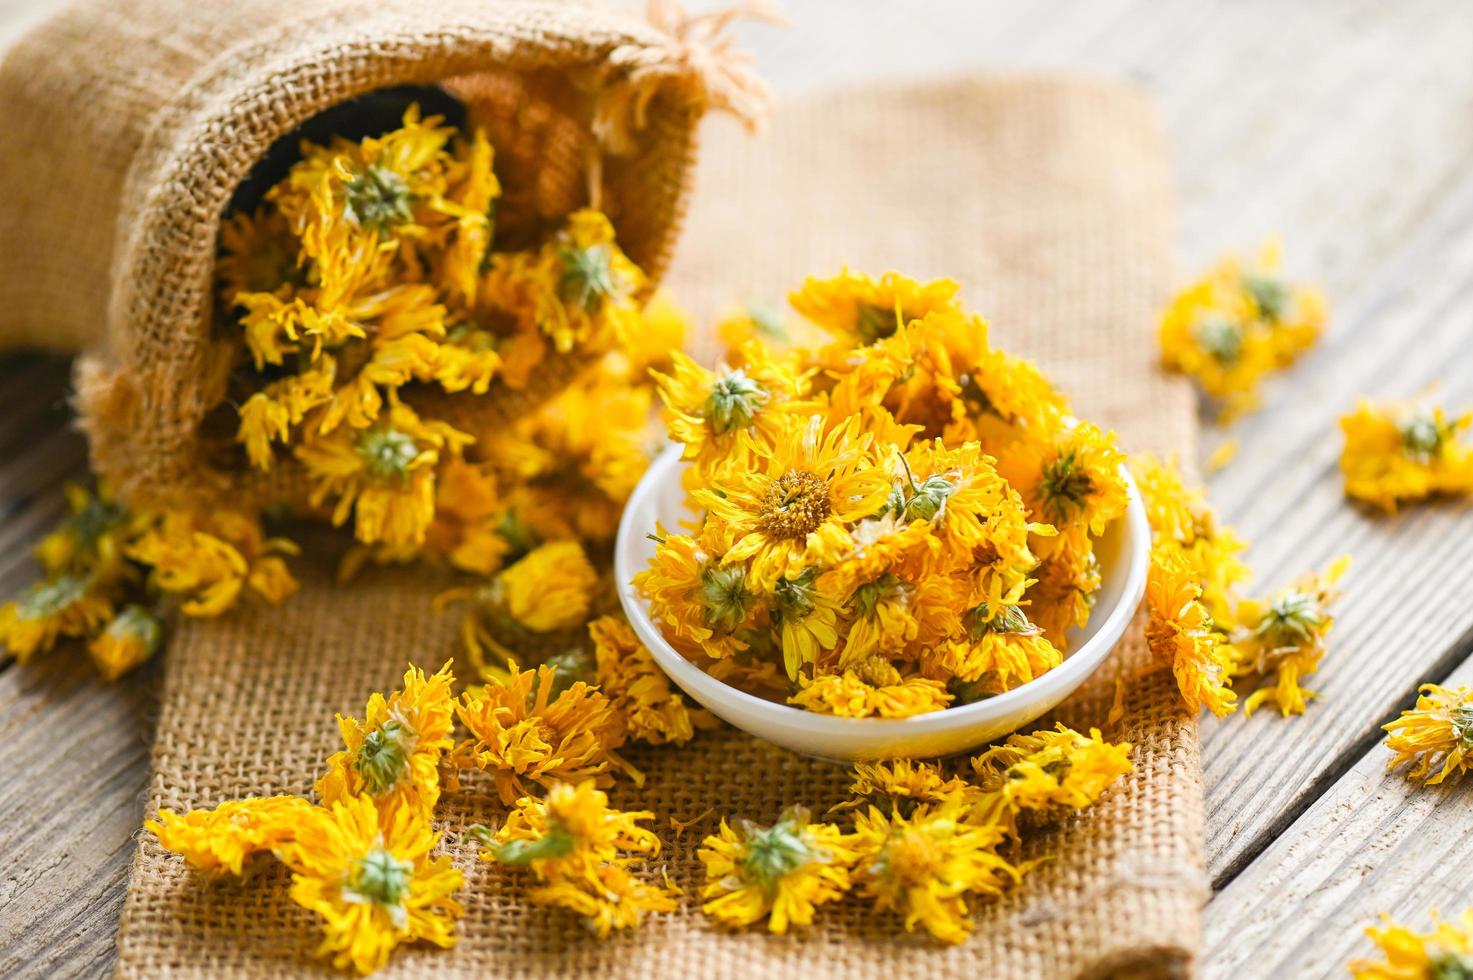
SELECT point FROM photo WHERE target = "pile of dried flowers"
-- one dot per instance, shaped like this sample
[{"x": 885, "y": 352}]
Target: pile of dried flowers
[
  {"x": 920, "y": 843},
  {"x": 899, "y": 520}
]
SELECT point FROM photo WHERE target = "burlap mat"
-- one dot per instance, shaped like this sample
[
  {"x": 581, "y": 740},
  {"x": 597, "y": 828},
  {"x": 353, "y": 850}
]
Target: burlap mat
[{"x": 1050, "y": 201}]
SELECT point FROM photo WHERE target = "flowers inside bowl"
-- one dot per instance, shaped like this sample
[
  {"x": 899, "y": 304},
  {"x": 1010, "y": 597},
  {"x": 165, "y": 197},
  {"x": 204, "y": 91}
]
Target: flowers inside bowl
[{"x": 900, "y": 542}]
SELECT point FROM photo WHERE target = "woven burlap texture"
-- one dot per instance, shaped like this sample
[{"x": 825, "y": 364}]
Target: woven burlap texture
[
  {"x": 135, "y": 120},
  {"x": 1050, "y": 200}
]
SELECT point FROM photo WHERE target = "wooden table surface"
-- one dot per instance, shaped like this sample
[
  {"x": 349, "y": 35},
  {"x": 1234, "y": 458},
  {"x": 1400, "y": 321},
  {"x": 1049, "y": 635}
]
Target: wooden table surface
[{"x": 1346, "y": 127}]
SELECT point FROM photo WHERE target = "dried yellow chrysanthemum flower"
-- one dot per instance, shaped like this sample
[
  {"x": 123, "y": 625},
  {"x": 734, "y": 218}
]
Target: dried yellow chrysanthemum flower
[
  {"x": 1181, "y": 635},
  {"x": 1183, "y": 521},
  {"x": 1445, "y": 953},
  {"x": 700, "y": 602},
  {"x": 370, "y": 878},
  {"x": 550, "y": 589},
  {"x": 1284, "y": 639},
  {"x": 393, "y": 754},
  {"x": 787, "y": 507},
  {"x": 1046, "y": 772},
  {"x": 1436, "y": 735},
  {"x": 607, "y": 897},
  {"x": 208, "y": 560},
  {"x": 651, "y": 710},
  {"x": 131, "y": 638},
  {"x": 1238, "y": 323},
  {"x": 569, "y": 829},
  {"x": 521, "y": 732},
  {"x": 92, "y": 540},
  {"x": 871, "y": 688},
  {"x": 1394, "y": 454},
  {"x": 704, "y": 410},
  {"x": 924, "y": 866},
  {"x": 1001, "y": 650},
  {"x": 780, "y": 873},
  {"x": 901, "y": 785},
  {"x": 1072, "y": 482},
  {"x": 383, "y": 476},
  {"x": 860, "y": 310},
  {"x": 222, "y": 839},
  {"x": 581, "y": 850},
  {"x": 62, "y": 606}
]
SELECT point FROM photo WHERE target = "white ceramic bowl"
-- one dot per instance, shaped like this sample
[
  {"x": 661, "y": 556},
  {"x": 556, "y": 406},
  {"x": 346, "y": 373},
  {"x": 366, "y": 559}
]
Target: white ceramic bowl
[{"x": 1123, "y": 552}]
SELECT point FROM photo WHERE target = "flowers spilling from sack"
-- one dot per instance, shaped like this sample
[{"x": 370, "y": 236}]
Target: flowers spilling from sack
[
  {"x": 380, "y": 308},
  {"x": 911, "y": 838},
  {"x": 378, "y": 255}
]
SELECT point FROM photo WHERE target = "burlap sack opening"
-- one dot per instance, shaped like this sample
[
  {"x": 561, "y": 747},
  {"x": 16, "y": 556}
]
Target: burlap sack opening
[
  {"x": 1050, "y": 201},
  {"x": 133, "y": 123}
]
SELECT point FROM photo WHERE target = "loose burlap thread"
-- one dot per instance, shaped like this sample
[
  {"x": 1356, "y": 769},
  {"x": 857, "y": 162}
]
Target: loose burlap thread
[
  {"x": 132, "y": 123},
  {"x": 1050, "y": 200}
]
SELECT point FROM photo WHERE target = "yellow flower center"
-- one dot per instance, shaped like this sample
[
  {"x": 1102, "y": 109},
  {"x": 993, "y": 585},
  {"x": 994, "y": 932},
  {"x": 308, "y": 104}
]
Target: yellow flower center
[
  {"x": 912, "y": 857},
  {"x": 795, "y": 505}
]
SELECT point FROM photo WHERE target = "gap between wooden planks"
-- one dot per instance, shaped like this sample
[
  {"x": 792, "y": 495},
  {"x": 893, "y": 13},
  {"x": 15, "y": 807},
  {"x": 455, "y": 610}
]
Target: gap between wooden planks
[{"x": 1374, "y": 843}]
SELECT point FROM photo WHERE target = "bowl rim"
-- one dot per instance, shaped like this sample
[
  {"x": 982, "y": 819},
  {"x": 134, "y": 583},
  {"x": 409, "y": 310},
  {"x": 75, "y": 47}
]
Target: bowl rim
[{"x": 1054, "y": 685}]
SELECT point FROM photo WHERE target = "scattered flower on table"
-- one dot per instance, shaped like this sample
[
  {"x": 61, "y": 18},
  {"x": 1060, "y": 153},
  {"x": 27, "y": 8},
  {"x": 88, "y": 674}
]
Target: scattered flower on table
[
  {"x": 780, "y": 873},
  {"x": 652, "y": 711},
  {"x": 1283, "y": 639},
  {"x": 369, "y": 876},
  {"x": 1444, "y": 953},
  {"x": 522, "y": 733},
  {"x": 1237, "y": 324},
  {"x": 131, "y": 638},
  {"x": 224, "y": 838},
  {"x": 1182, "y": 635},
  {"x": 925, "y": 867},
  {"x": 114, "y": 576},
  {"x": 1397, "y": 454},
  {"x": 1436, "y": 736},
  {"x": 1045, "y": 773},
  {"x": 901, "y": 785},
  {"x": 1183, "y": 523},
  {"x": 582, "y": 852},
  {"x": 393, "y": 755}
]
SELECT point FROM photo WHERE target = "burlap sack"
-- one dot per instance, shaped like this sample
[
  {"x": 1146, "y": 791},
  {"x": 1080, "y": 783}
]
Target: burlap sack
[
  {"x": 130, "y": 124},
  {"x": 1050, "y": 200}
]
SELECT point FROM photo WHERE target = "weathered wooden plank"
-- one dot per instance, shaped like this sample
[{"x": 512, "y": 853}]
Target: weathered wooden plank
[
  {"x": 75, "y": 759},
  {"x": 1406, "y": 607},
  {"x": 1373, "y": 843}
]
